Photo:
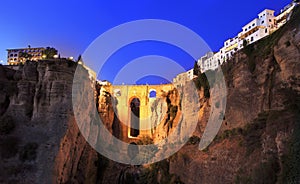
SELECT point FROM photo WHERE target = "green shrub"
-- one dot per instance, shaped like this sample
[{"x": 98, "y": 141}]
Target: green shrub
[{"x": 202, "y": 81}]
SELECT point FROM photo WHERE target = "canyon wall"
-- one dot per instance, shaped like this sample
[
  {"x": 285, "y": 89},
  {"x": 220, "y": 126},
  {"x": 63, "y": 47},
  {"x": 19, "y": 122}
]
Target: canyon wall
[{"x": 41, "y": 141}]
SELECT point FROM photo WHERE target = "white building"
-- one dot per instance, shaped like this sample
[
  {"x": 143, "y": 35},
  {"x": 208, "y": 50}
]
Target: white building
[
  {"x": 210, "y": 61},
  {"x": 230, "y": 47},
  {"x": 265, "y": 24},
  {"x": 204, "y": 63},
  {"x": 190, "y": 74},
  {"x": 257, "y": 28},
  {"x": 282, "y": 18}
]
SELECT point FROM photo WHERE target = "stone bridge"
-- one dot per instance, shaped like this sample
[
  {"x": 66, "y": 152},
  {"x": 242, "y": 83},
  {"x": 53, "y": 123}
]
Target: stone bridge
[{"x": 133, "y": 107}]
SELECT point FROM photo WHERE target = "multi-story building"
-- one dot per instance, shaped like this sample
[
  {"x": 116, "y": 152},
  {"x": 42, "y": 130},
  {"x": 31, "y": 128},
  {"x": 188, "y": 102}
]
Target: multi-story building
[
  {"x": 17, "y": 56},
  {"x": 265, "y": 24},
  {"x": 230, "y": 47},
  {"x": 204, "y": 63},
  {"x": 210, "y": 61},
  {"x": 284, "y": 15},
  {"x": 257, "y": 28}
]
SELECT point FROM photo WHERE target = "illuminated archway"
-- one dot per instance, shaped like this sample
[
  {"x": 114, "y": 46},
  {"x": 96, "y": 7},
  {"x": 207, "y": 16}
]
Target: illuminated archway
[{"x": 134, "y": 117}]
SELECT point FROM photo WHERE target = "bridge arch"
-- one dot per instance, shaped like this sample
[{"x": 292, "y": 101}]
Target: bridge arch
[{"x": 134, "y": 116}]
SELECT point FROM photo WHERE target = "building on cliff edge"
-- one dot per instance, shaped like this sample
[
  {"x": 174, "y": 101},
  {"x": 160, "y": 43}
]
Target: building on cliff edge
[{"x": 265, "y": 24}]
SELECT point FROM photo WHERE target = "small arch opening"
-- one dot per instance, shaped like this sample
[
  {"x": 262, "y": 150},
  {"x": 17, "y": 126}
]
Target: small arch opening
[{"x": 152, "y": 94}]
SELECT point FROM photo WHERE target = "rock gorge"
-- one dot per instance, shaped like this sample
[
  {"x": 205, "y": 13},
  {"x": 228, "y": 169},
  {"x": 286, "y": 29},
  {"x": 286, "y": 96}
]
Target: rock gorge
[{"x": 40, "y": 141}]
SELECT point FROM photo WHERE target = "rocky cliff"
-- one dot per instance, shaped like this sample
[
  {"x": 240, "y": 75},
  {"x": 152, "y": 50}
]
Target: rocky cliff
[
  {"x": 37, "y": 126},
  {"x": 40, "y": 141},
  {"x": 259, "y": 134}
]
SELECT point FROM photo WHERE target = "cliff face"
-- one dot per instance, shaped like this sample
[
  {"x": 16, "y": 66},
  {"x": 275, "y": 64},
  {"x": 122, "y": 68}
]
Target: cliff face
[
  {"x": 259, "y": 134},
  {"x": 37, "y": 121},
  {"x": 40, "y": 141}
]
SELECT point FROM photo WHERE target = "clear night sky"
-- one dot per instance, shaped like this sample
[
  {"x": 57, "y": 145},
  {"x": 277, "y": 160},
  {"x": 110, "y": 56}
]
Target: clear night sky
[{"x": 70, "y": 26}]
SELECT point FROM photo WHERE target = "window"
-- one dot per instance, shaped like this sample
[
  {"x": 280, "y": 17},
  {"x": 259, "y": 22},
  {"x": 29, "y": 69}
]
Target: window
[
  {"x": 253, "y": 24},
  {"x": 15, "y": 55},
  {"x": 251, "y": 38},
  {"x": 270, "y": 20},
  {"x": 152, "y": 94},
  {"x": 266, "y": 30},
  {"x": 262, "y": 22},
  {"x": 11, "y": 55}
]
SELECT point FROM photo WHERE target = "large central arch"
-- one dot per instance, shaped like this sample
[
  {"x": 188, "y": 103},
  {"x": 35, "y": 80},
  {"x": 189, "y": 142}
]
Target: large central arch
[{"x": 134, "y": 116}]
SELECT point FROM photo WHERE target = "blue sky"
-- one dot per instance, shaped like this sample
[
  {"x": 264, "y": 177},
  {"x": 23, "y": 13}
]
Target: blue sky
[{"x": 70, "y": 26}]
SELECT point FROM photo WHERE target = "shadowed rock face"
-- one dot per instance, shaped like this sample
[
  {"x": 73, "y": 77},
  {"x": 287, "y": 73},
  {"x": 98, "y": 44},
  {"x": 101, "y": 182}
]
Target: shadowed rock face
[
  {"x": 37, "y": 108},
  {"x": 258, "y": 142}
]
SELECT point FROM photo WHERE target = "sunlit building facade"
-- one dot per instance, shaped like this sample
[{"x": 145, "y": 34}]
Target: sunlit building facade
[{"x": 17, "y": 56}]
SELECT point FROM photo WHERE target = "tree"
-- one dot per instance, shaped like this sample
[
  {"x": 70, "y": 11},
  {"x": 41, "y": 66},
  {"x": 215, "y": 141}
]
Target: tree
[
  {"x": 49, "y": 53},
  {"x": 79, "y": 59},
  {"x": 196, "y": 69}
]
